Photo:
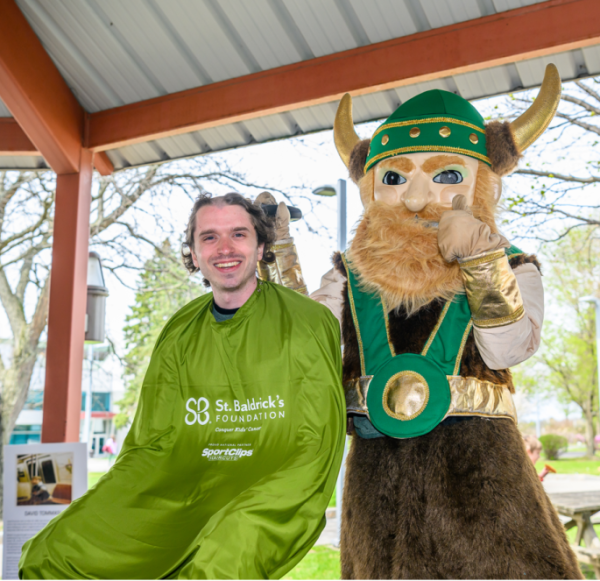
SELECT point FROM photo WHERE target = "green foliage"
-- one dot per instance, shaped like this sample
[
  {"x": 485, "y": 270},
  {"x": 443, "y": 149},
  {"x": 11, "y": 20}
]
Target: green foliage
[
  {"x": 163, "y": 288},
  {"x": 553, "y": 445},
  {"x": 565, "y": 367}
]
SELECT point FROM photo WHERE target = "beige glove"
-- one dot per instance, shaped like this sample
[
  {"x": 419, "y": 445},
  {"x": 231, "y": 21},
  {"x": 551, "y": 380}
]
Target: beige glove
[
  {"x": 282, "y": 218},
  {"x": 461, "y": 235}
]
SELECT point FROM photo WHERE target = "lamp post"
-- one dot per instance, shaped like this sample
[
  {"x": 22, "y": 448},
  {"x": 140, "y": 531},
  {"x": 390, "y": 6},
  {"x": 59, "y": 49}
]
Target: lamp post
[
  {"x": 94, "y": 328},
  {"x": 338, "y": 190},
  {"x": 596, "y": 302}
]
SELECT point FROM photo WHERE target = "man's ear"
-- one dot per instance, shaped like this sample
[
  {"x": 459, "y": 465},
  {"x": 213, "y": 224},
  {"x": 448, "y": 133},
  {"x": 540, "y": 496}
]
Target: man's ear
[
  {"x": 261, "y": 249},
  {"x": 194, "y": 259}
]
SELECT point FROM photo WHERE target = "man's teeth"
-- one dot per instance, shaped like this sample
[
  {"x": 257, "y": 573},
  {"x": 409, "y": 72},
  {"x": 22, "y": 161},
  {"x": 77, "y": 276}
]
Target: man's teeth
[{"x": 227, "y": 264}]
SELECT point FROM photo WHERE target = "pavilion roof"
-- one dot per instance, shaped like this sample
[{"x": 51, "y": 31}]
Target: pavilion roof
[{"x": 169, "y": 79}]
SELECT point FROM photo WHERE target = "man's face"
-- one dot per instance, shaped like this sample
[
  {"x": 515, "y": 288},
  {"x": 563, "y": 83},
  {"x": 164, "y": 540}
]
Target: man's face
[
  {"x": 225, "y": 247},
  {"x": 419, "y": 179}
]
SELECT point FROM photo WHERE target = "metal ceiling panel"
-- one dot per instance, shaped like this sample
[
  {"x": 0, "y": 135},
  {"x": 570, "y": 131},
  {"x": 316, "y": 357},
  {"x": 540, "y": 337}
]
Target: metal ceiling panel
[
  {"x": 4, "y": 112},
  {"x": 22, "y": 162},
  {"x": 385, "y": 19},
  {"x": 504, "y": 5},
  {"x": 112, "y": 53}
]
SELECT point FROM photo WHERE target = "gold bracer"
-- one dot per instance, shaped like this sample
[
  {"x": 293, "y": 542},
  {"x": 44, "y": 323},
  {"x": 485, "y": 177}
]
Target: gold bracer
[
  {"x": 286, "y": 269},
  {"x": 492, "y": 290},
  {"x": 469, "y": 397}
]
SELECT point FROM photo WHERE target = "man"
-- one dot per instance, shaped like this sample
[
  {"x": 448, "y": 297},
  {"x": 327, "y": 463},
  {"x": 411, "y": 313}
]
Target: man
[
  {"x": 235, "y": 448},
  {"x": 435, "y": 306}
]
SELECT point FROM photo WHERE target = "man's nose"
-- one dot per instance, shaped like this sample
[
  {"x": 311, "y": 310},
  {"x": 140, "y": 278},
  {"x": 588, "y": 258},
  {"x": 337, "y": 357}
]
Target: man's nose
[
  {"x": 417, "y": 194},
  {"x": 225, "y": 246}
]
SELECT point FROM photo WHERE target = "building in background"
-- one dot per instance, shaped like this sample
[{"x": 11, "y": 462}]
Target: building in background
[{"x": 104, "y": 372}]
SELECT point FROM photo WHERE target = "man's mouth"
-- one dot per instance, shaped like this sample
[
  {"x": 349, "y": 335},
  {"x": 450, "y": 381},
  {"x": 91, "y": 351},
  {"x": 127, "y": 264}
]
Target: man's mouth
[{"x": 227, "y": 266}]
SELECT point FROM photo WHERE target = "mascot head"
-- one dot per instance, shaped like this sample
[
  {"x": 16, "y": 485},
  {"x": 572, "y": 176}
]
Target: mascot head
[{"x": 434, "y": 147}]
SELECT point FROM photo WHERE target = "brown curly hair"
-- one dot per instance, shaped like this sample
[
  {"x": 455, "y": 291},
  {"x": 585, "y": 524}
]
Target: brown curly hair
[{"x": 264, "y": 227}]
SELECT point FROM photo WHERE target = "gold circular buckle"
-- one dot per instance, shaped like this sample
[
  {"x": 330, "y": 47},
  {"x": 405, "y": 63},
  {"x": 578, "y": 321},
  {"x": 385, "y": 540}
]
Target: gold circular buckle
[{"x": 405, "y": 395}]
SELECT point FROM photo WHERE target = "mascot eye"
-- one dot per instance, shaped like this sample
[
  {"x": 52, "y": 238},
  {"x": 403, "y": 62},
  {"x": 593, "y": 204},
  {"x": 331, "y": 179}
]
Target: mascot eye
[
  {"x": 450, "y": 176},
  {"x": 391, "y": 178}
]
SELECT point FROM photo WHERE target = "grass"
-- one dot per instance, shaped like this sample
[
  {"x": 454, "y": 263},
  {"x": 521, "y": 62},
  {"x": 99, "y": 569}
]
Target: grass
[
  {"x": 572, "y": 466},
  {"x": 93, "y": 477},
  {"x": 319, "y": 563}
]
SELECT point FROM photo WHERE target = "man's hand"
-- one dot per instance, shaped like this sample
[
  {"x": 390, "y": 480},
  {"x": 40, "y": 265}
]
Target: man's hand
[
  {"x": 461, "y": 235},
  {"x": 282, "y": 218}
]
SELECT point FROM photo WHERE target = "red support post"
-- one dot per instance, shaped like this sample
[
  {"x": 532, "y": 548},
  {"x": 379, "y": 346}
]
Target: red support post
[{"x": 68, "y": 291}]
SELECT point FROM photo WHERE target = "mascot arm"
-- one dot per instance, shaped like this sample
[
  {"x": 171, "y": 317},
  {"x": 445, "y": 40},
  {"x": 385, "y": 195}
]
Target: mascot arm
[
  {"x": 331, "y": 292},
  {"x": 504, "y": 346},
  {"x": 283, "y": 266}
]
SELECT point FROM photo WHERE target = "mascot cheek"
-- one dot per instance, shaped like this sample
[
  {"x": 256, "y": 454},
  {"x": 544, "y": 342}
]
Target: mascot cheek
[{"x": 448, "y": 193}]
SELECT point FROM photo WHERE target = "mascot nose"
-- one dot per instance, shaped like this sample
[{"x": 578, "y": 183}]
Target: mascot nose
[{"x": 417, "y": 195}]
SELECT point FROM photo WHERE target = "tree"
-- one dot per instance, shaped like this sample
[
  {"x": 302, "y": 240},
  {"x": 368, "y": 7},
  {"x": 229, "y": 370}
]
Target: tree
[
  {"x": 163, "y": 288},
  {"x": 554, "y": 190},
  {"x": 566, "y": 363}
]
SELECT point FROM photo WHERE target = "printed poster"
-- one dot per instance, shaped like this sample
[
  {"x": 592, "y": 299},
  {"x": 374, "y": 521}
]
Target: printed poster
[{"x": 40, "y": 481}]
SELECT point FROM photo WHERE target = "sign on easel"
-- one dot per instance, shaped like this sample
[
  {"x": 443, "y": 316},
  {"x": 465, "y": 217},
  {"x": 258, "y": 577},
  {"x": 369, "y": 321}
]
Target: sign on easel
[{"x": 40, "y": 481}]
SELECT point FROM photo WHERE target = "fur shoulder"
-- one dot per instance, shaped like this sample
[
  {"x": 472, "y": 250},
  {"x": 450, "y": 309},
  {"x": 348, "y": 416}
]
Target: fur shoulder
[
  {"x": 521, "y": 259},
  {"x": 338, "y": 263}
]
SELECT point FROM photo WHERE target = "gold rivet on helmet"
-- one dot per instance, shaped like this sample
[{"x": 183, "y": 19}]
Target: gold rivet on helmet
[
  {"x": 473, "y": 138},
  {"x": 385, "y": 139},
  {"x": 415, "y": 132},
  {"x": 445, "y": 131}
]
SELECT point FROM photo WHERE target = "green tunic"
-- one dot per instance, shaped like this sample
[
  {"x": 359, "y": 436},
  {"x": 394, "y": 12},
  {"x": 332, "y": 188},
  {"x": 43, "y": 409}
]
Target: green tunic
[{"x": 231, "y": 459}]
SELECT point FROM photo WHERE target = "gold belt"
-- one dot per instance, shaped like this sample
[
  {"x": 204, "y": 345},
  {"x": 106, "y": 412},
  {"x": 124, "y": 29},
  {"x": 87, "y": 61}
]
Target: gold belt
[{"x": 469, "y": 397}]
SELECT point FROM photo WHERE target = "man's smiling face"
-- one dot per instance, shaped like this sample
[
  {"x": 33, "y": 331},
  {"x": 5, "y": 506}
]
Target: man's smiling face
[{"x": 225, "y": 247}]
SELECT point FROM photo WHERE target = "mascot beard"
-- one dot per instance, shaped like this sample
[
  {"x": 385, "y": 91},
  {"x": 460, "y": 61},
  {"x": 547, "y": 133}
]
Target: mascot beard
[{"x": 395, "y": 251}]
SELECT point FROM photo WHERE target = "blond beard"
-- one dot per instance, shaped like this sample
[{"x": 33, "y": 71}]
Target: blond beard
[{"x": 398, "y": 256}]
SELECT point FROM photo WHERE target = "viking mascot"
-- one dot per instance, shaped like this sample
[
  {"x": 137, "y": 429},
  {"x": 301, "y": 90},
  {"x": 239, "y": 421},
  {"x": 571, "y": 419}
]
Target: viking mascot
[{"x": 435, "y": 306}]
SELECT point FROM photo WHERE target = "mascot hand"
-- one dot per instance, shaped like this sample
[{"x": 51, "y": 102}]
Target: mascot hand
[
  {"x": 461, "y": 235},
  {"x": 282, "y": 218}
]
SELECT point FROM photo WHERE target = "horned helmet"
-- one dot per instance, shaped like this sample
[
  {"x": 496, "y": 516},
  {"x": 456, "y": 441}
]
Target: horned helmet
[{"x": 440, "y": 121}]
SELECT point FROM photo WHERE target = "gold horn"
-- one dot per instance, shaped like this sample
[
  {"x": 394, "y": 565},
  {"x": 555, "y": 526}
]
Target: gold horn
[
  {"x": 343, "y": 129},
  {"x": 531, "y": 124}
]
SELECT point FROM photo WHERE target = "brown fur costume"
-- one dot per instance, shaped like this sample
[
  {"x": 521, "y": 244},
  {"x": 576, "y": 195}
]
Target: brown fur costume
[{"x": 431, "y": 507}]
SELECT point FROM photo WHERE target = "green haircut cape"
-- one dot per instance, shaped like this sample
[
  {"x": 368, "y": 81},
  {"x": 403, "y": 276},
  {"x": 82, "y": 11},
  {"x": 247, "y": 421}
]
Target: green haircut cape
[{"x": 232, "y": 457}]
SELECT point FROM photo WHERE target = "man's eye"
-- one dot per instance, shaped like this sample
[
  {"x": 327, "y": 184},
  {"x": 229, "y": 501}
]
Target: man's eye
[
  {"x": 450, "y": 176},
  {"x": 391, "y": 178}
]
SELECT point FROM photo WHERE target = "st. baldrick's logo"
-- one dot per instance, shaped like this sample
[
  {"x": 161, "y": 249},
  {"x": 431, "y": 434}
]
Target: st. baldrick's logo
[{"x": 252, "y": 410}]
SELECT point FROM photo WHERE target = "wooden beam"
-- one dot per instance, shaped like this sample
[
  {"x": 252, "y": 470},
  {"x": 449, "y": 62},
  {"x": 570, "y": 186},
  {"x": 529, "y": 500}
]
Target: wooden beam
[
  {"x": 533, "y": 31},
  {"x": 68, "y": 295},
  {"x": 36, "y": 94},
  {"x": 13, "y": 141},
  {"x": 103, "y": 164}
]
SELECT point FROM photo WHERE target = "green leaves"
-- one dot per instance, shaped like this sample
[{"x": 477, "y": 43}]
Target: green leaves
[{"x": 163, "y": 288}]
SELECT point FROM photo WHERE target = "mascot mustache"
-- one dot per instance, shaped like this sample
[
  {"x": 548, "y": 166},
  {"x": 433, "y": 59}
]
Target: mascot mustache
[{"x": 395, "y": 253}]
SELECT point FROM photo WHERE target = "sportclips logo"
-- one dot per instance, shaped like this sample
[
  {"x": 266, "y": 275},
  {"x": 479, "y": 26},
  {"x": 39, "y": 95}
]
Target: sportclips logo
[
  {"x": 227, "y": 454},
  {"x": 199, "y": 411}
]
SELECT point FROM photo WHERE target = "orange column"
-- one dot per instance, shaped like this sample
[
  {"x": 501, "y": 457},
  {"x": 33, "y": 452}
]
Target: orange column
[{"x": 66, "y": 318}]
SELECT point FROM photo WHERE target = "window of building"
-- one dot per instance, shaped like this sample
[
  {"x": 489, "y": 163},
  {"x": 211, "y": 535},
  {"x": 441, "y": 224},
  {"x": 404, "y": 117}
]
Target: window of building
[
  {"x": 26, "y": 435},
  {"x": 100, "y": 401}
]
